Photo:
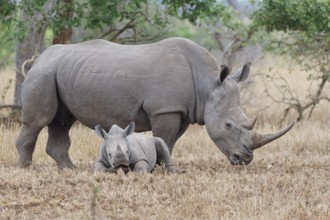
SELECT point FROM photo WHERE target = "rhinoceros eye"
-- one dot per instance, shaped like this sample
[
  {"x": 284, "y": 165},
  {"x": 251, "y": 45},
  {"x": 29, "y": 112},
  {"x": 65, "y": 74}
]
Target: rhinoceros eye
[{"x": 229, "y": 125}]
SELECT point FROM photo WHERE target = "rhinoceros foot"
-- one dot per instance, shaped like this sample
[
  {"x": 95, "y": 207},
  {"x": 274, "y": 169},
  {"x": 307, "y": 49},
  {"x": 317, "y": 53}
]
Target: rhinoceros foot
[
  {"x": 66, "y": 166},
  {"x": 24, "y": 164}
]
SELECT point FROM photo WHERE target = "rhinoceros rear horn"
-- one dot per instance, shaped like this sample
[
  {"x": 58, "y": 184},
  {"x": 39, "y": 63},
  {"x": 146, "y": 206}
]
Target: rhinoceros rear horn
[
  {"x": 260, "y": 140},
  {"x": 249, "y": 125}
]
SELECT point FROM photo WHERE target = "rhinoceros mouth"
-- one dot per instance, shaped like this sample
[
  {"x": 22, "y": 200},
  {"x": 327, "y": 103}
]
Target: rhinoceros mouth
[
  {"x": 237, "y": 160},
  {"x": 121, "y": 165},
  {"x": 242, "y": 158}
]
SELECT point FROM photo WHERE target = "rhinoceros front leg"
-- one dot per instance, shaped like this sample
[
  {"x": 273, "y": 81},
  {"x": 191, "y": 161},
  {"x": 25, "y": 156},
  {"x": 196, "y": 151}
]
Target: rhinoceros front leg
[
  {"x": 101, "y": 167},
  {"x": 167, "y": 126},
  {"x": 58, "y": 144},
  {"x": 141, "y": 167},
  {"x": 163, "y": 155}
]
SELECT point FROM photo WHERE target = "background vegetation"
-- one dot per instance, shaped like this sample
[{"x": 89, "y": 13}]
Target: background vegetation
[{"x": 233, "y": 30}]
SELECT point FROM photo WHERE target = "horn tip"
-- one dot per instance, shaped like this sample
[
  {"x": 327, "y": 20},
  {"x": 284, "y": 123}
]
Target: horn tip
[{"x": 292, "y": 124}]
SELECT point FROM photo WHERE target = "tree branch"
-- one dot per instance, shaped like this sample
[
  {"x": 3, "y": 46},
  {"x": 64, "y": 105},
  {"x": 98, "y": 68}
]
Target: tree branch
[
  {"x": 14, "y": 107},
  {"x": 290, "y": 99}
]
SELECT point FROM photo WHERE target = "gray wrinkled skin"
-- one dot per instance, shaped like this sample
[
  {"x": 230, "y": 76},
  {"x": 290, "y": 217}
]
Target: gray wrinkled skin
[
  {"x": 122, "y": 148},
  {"x": 163, "y": 87}
]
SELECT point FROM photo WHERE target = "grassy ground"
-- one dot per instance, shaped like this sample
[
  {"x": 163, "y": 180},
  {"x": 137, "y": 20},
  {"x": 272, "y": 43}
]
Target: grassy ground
[{"x": 288, "y": 179}]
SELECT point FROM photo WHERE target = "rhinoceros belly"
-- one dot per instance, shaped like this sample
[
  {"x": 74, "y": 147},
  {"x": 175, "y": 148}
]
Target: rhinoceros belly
[{"x": 97, "y": 97}]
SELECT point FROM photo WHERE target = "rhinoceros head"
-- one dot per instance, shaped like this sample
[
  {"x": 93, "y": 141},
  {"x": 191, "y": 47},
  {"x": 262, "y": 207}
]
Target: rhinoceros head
[
  {"x": 115, "y": 148},
  {"x": 227, "y": 124}
]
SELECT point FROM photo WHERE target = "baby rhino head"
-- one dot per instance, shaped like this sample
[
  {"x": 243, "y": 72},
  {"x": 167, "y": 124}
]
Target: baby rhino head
[{"x": 115, "y": 149}]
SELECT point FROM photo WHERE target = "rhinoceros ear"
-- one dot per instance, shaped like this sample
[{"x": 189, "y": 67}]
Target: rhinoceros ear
[
  {"x": 129, "y": 129},
  {"x": 243, "y": 73},
  {"x": 100, "y": 132},
  {"x": 224, "y": 73}
]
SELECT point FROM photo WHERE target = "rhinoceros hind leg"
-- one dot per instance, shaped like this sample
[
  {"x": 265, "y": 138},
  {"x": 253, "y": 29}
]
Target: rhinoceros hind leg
[
  {"x": 58, "y": 143},
  {"x": 25, "y": 144},
  {"x": 163, "y": 155}
]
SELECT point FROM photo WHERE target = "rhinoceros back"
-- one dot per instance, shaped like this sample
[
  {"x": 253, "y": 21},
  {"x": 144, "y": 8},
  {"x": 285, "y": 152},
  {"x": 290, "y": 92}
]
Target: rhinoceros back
[{"x": 105, "y": 83}]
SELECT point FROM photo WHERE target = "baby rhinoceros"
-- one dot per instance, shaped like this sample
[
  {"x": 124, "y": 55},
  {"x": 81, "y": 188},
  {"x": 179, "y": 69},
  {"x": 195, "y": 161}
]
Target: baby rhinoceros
[{"x": 125, "y": 149}]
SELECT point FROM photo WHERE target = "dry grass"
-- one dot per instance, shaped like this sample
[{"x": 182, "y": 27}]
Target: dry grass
[
  {"x": 7, "y": 77},
  {"x": 288, "y": 179}
]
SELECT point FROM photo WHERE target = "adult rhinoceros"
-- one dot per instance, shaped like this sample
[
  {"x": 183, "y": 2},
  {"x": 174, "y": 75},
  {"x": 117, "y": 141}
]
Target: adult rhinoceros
[{"x": 162, "y": 87}]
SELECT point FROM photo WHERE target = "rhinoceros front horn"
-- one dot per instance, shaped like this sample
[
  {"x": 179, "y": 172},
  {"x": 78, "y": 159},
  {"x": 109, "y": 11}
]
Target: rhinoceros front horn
[{"x": 260, "y": 140}]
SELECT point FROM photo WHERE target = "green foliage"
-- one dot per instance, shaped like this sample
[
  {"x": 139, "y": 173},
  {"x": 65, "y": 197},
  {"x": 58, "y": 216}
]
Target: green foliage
[
  {"x": 309, "y": 16},
  {"x": 7, "y": 9},
  {"x": 108, "y": 12},
  {"x": 103, "y": 14},
  {"x": 300, "y": 30},
  {"x": 7, "y": 47},
  {"x": 116, "y": 20},
  {"x": 192, "y": 10}
]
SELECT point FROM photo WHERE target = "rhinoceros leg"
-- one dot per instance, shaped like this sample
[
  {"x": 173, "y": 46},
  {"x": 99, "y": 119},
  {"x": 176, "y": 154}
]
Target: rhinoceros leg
[
  {"x": 163, "y": 155},
  {"x": 184, "y": 126},
  {"x": 141, "y": 167},
  {"x": 167, "y": 126},
  {"x": 39, "y": 106},
  {"x": 58, "y": 143},
  {"x": 26, "y": 142}
]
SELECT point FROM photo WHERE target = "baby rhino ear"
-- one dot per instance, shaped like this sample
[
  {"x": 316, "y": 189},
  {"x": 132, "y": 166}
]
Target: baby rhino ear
[
  {"x": 129, "y": 129},
  {"x": 100, "y": 132}
]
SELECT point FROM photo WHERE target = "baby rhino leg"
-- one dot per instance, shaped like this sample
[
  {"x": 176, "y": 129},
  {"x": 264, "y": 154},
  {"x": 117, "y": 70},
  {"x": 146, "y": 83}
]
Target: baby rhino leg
[
  {"x": 163, "y": 155},
  {"x": 101, "y": 167},
  {"x": 141, "y": 166}
]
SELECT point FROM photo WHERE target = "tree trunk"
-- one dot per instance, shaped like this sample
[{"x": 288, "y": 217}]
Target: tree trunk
[
  {"x": 65, "y": 35},
  {"x": 32, "y": 44}
]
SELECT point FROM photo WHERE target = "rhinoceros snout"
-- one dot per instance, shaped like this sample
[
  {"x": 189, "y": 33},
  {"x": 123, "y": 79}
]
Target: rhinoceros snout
[
  {"x": 236, "y": 159},
  {"x": 120, "y": 163}
]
